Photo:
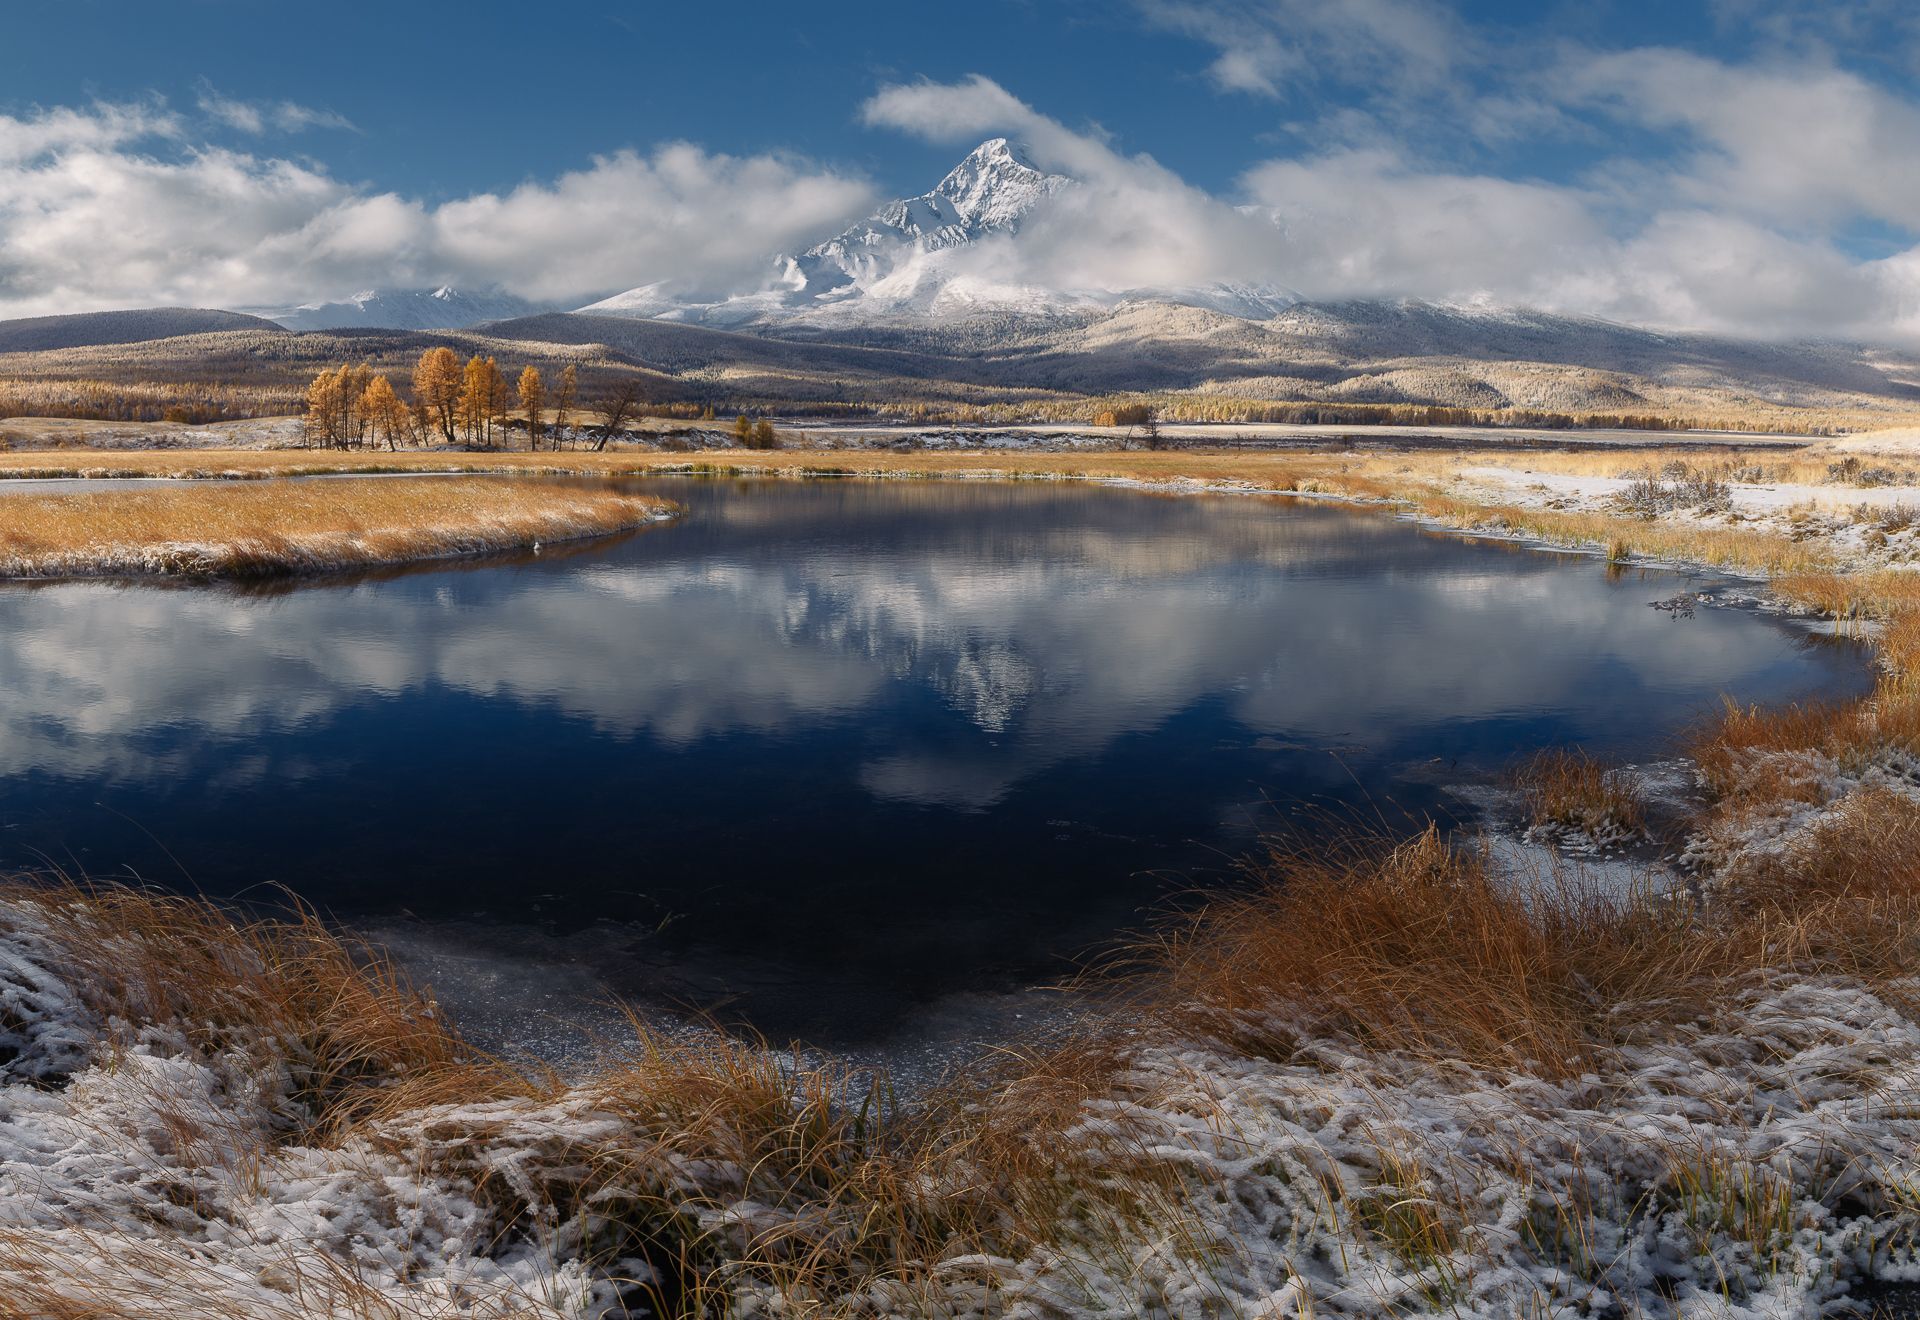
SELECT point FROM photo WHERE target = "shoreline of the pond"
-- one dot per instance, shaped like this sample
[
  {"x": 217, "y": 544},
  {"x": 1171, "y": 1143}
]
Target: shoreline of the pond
[{"x": 1402, "y": 507}]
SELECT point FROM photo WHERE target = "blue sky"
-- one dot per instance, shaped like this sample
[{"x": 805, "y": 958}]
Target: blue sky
[
  {"x": 1728, "y": 163},
  {"x": 547, "y": 88}
]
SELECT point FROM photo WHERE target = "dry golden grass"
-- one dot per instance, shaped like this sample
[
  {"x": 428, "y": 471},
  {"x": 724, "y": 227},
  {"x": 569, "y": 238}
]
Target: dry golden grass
[
  {"x": 354, "y": 1035},
  {"x": 1885, "y": 595},
  {"x": 1625, "y": 537},
  {"x": 1567, "y": 788},
  {"x": 258, "y": 529},
  {"x": 1417, "y": 948},
  {"x": 847, "y": 1186}
]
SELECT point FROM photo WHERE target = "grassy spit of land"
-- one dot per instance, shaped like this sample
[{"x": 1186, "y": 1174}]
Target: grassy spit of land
[
  {"x": 1386, "y": 1079},
  {"x": 274, "y": 528},
  {"x": 1433, "y": 484}
]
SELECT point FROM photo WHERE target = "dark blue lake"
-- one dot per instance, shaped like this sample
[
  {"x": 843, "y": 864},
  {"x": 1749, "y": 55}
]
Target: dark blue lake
[{"x": 823, "y": 755}]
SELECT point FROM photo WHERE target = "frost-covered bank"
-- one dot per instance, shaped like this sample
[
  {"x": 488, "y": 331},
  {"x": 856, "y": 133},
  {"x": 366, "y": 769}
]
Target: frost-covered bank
[{"x": 1388, "y": 1083}]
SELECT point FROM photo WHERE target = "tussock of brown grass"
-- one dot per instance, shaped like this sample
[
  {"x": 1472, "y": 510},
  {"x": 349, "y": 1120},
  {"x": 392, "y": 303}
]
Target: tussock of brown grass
[
  {"x": 1867, "y": 850},
  {"x": 848, "y": 1186},
  {"x": 1743, "y": 752},
  {"x": 280, "y": 527},
  {"x": 354, "y": 1035},
  {"x": 1565, "y": 787},
  {"x": 1418, "y": 948}
]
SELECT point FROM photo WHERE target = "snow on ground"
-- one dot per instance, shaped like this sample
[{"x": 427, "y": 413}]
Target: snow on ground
[
  {"x": 64, "y": 432},
  {"x": 1863, "y": 526},
  {"x": 1751, "y": 501},
  {"x": 1750, "y": 1164},
  {"x": 1658, "y": 1181},
  {"x": 1900, "y": 440}
]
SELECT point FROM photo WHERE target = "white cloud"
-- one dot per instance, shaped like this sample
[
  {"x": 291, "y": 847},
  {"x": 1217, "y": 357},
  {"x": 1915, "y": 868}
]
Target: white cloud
[
  {"x": 100, "y": 127},
  {"x": 681, "y": 213},
  {"x": 1266, "y": 45},
  {"x": 1131, "y": 223},
  {"x": 114, "y": 206},
  {"x": 1731, "y": 236},
  {"x": 1799, "y": 143},
  {"x": 1367, "y": 224}
]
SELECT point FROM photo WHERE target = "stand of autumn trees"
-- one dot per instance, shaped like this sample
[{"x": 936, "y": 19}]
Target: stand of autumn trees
[{"x": 351, "y": 407}]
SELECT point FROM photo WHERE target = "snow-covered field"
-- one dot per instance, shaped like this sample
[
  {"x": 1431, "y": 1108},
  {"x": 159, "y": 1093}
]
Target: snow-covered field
[{"x": 1862, "y": 526}]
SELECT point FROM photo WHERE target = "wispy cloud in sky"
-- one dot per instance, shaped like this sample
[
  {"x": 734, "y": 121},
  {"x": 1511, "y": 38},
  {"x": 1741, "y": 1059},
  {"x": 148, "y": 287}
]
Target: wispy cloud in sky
[{"x": 257, "y": 117}]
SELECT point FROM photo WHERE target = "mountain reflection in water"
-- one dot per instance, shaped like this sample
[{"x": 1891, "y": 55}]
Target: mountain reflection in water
[{"x": 831, "y": 749}]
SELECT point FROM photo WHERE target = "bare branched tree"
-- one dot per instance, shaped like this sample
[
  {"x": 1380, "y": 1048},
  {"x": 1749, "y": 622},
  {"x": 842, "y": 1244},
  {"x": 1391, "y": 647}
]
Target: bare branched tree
[{"x": 618, "y": 406}]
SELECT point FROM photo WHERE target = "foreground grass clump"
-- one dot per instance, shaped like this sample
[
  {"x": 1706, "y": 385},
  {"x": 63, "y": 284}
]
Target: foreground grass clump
[
  {"x": 221, "y": 529},
  {"x": 1421, "y": 949},
  {"x": 1567, "y": 790}
]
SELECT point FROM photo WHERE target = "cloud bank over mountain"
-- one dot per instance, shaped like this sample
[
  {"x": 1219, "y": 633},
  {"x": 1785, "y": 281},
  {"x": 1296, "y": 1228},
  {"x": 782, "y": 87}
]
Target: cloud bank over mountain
[{"x": 1765, "y": 189}]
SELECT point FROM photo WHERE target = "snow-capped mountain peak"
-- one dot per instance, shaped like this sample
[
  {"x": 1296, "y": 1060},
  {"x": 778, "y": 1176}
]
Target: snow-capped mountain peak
[
  {"x": 989, "y": 192},
  {"x": 996, "y": 185}
]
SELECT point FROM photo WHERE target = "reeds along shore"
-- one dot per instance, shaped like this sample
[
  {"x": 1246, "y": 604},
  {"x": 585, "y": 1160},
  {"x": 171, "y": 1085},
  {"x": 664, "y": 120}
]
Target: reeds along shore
[{"x": 261, "y": 529}]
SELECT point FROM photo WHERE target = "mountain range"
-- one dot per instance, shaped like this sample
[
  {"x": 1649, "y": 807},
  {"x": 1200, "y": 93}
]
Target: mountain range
[{"x": 444, "y": 308}]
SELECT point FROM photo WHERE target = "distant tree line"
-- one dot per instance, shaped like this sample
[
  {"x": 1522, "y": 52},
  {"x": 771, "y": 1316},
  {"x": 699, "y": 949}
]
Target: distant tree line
[{"x": 181, "y": 403}]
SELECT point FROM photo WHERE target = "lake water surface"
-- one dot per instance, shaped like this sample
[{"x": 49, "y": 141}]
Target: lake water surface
[{"x": 824, "y": 754}]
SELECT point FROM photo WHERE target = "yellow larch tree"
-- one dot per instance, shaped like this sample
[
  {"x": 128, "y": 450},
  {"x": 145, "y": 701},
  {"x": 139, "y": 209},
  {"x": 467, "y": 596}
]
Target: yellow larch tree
[
  {"x": 388, "y": 418},
  {"x": 436, "y": 389},
  {"x": 533, "y": 397},
  {"x": 472, "y": 404},
  {"x": 499, "y": 398},
  {"x": 324, "y": 408},
  {"x": 355, "y": 425}
]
